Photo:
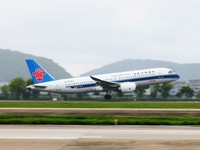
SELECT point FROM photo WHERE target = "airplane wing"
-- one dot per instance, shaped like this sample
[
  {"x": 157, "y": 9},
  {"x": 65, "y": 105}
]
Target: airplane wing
[{"x": 106, "y": 84}]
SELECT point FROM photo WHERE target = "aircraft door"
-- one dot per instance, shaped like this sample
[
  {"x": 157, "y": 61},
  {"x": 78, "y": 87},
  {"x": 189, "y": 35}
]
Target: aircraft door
[{"x": 160, "y": 74}]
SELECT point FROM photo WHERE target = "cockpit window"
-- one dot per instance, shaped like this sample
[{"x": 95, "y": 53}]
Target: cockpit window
[{"x": 170, "y": 72}]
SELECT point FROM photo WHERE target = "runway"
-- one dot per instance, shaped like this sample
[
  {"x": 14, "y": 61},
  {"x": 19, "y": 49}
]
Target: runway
[
  {"x": 68, "y": 137},
  {"x": 99, "y": 132}
]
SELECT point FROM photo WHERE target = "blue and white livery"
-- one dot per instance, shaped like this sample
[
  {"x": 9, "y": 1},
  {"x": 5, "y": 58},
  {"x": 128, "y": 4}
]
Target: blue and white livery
[{"x": 124, "y": 82}]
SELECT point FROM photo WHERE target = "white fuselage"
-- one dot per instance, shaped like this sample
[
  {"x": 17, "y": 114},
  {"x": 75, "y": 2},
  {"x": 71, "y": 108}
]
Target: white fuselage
[{"x": 87, "y": 84}]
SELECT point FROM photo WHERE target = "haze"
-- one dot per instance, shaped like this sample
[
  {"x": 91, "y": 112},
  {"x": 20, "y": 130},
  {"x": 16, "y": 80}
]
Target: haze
[{"x": 81, "y": 35}]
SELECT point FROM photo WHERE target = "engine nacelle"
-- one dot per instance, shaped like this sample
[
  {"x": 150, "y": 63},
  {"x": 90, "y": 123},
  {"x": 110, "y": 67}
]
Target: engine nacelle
[
  {"x": 98, "y": 89},
  {"x": 127, "y": 87}
]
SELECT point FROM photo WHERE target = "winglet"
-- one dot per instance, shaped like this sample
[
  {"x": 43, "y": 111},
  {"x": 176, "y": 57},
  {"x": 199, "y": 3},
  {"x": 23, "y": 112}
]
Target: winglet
[
  {"x": 38, "y": 73},
  {"x": 96, "y": 79},
  {"x": 93, "y": 78}
]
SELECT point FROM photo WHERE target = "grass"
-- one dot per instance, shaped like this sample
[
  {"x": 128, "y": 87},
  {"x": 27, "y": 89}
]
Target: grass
[
  {"x": 22, "y": 104},
  {"x": 97, "y": 120}
]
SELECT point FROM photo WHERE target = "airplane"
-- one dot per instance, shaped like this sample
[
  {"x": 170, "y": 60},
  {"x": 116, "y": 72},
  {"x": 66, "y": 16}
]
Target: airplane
[{"x": 125, "y": 82}]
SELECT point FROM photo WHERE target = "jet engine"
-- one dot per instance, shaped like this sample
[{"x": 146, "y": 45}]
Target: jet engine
[
  {"x": 98, "y": 89},
  {"x": 127, "y": 87}
]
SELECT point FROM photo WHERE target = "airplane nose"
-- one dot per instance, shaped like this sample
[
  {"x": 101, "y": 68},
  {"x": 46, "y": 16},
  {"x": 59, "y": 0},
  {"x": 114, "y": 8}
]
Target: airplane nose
[{"x": 177, "y": 76}]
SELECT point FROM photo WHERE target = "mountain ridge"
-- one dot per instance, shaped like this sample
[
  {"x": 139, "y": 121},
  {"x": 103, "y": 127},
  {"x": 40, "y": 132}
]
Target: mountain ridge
[
  {"x": 15, "y": 61},
  {"x": 13, "y": 65},
  {"x": 187, "y": 71}
]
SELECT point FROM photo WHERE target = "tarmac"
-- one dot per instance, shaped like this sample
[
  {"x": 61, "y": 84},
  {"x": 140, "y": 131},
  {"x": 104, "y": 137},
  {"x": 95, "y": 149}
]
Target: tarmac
[{"x": 78, "y": 137}]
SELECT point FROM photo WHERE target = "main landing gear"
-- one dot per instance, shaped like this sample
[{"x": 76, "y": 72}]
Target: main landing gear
[
  {"x": 160, "y": 88},
  {"x": 107, "y": 96}
]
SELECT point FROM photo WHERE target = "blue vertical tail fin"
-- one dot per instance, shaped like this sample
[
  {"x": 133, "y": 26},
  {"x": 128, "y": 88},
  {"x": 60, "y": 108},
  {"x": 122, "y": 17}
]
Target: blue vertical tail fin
[{"x": 38, "y": 74}]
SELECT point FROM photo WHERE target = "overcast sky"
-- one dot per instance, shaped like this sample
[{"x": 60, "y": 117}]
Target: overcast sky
[{"x": 81, "y": 35}]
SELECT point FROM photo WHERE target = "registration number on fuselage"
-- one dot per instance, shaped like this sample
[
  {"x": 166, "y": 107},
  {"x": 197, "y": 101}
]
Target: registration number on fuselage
[{"x": 152, "y": 81}]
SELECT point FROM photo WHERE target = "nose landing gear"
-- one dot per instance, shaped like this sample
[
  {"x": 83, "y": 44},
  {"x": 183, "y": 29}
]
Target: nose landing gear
[{"x": 107, "y": 96}]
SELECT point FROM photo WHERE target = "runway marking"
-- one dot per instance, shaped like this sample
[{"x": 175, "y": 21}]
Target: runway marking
[{"x": 91, "y": 137}]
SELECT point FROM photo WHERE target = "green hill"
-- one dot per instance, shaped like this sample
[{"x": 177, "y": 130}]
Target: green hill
[{"x": 13, "y": 65}]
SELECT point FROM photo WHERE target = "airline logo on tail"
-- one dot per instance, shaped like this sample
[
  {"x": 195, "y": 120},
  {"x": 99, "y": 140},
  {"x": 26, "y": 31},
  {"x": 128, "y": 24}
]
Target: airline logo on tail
[{"x": 39, "y": 73}]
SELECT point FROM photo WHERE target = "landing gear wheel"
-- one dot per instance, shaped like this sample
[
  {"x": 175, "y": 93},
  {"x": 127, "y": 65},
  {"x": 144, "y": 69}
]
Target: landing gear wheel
[
  {"x": 160, "y": 90},
  {"x": 107, "y": 96}
]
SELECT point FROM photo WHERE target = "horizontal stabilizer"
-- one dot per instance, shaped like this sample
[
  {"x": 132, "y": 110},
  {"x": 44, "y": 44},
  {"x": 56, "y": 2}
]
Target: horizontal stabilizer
[{"x": 38, "y": 86}]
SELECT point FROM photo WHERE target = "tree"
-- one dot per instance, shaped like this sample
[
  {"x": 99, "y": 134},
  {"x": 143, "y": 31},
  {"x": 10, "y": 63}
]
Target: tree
[
  {"x": 154, "y": 93},
  {"x": 5, "y": 91},
  {"x": 179, "y": 94},
  {"x": 140, "y": 91},
  {"x": 64, "y": 96},
  {"x": 165, "y": 92},
  {"x": 96, "y": 93},
  {"x": 29, "y": 82},
  {"x": 34, "y": 94},
  {"x": 120, "y": 94},
  {"x": 187, "y": 91},
  {"x": 79, "y": 96},
  {"x": 17, "y": 88},
  {"x": 198, "y": 94},
  {"x": 166, "y": 89}
]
